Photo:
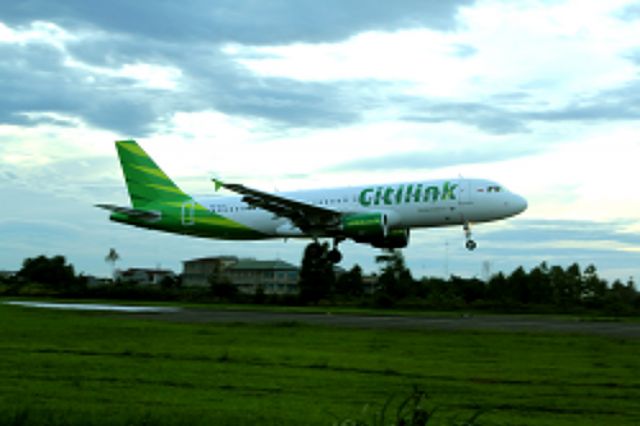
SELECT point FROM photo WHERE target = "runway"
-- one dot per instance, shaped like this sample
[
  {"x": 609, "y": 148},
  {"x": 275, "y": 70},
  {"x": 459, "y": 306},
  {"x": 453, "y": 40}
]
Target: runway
[{"x": 508, "y": 323}]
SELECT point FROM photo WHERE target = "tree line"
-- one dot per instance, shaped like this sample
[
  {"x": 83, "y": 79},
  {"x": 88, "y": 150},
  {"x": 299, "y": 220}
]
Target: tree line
[{"x": 544, "y": 288}]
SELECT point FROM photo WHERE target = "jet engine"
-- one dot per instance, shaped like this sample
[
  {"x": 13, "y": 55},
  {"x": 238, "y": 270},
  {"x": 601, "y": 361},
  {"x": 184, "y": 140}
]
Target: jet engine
[{"x": 373, "y": 228}]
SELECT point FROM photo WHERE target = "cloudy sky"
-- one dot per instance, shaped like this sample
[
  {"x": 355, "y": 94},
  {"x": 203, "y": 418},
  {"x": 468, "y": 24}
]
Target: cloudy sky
[{"x": 542, "y": 96}]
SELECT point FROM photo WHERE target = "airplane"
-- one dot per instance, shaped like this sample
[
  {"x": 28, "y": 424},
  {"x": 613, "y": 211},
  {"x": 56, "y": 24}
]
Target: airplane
[{"x": 380, "y": 215}]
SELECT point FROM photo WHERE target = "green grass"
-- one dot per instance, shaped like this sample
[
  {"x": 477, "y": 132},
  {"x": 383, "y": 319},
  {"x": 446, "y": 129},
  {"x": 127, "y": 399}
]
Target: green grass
[{"x": 60, "y": 367}]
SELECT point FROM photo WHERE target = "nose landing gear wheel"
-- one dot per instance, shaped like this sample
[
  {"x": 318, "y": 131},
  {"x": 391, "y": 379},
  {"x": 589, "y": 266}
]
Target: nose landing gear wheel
[{"x": 470, "y": 244}]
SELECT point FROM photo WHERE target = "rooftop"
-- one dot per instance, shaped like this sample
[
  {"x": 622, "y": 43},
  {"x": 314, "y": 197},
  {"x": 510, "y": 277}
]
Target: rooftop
[
  {"x": 212, "y": 259},
  {"x": 263, "y": 265}
]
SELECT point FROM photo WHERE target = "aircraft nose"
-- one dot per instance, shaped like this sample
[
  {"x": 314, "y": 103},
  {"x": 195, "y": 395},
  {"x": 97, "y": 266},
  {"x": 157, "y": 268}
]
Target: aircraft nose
[
  {"x": 520, "y": 204},
  {"x": 515, "y": 204}
]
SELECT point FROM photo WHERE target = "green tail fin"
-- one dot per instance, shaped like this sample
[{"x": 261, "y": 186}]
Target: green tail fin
[{"x": 147, "y": 184}]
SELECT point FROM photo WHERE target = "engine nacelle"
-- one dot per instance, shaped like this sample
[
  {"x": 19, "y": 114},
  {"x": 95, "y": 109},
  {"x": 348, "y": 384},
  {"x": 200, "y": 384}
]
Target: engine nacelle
[
  {"x": 373, "y": 228},
  {"x": 396, "y": 238},
  {"x": 365, "y": 225}
]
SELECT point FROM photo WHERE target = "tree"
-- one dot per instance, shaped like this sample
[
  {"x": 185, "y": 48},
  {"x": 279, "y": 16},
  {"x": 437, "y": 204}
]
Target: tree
[
  {"x": 519, "y": 286},
  {"x": 621, "y": 298},
  {"x": 540, "y": 285},
  {"x": 317, "y": 277},
  {"x": 52, "y": 272},
  {"x": 595, "y": 288},
  {"x": 350, "y": 283},
  {"x": 170, "y": 283},
  {"x": 498, "y": 289},
  {"x": 468, "y": 289},
  {"x": 395, "y": 279},
  {"x": 567, "y": 286},
  {"x": 112, "y": 257}
]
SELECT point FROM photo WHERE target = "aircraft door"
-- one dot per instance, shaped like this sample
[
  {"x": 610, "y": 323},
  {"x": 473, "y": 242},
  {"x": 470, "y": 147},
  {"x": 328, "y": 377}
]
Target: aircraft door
[
  {"x": 188, "y": 213},
  {"x": 464, "y": 191}
]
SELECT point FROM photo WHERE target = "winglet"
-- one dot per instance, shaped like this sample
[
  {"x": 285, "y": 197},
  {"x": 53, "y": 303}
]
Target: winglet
[{"x": 218, "y": 184}]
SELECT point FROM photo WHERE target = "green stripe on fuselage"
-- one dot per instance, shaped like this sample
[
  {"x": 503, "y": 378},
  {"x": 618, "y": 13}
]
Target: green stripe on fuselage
[{"x": 203, "y": 223}]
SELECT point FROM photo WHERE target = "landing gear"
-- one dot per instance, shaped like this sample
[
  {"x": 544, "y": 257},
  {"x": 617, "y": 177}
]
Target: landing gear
[
  {"x": 334, "y": 254},
  {"x": 469, "y": 244},
  {"x": 315, "y": 250}
]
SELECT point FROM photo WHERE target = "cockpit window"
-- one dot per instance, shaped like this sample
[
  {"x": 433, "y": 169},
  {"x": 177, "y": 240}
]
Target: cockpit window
[{"x": 494, "y": 188}]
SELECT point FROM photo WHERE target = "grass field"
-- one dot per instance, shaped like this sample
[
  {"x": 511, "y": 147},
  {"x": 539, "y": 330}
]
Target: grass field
[{"x": 59, "y": 367}]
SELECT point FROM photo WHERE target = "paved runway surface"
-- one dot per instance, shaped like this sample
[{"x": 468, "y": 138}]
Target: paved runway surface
[{"x": 511, "y": 323}]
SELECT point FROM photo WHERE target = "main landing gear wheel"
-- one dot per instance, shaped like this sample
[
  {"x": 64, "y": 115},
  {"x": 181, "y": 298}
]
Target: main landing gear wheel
[
  {"x": 315, "y": 250},
  {"x": 334, "y": 255},
  {"x": 470, "y": 245}
]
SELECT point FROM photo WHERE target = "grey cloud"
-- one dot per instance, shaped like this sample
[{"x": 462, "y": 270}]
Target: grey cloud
[
  {"x": 464, "y": 50},
  {"x": 496, "y": 114},
  {"x": 488, "y": 118},
  {"x": 630, "y": 12},
  {"x": 617, "y": 104},
  {"x": 89, "y": 181},
  {"x": 510, "y": 98},
  {"x": 622, "y": 103},
  {"x": 248, "y": 22},
  {"x": 431, "y": 160},
  {"x": 188, "y": 36},
  {"x": 509, "y": 113},
  {"x": 290, "y": 102},
  {"x": 112, "y": 49},
  {"x": 38, "y": 231},
  {"x": 34, "y": 79},
  {"x": 555, "y": 231},
  {"x": 8, "y": 176}
]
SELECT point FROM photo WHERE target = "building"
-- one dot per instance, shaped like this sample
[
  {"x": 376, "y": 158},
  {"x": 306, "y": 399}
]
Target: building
[
  {"x": 272, "y": 276},
  {"x": 93, "y": 281},
  {"x": 248, "y": 275},
  {"x": 370, "y": 283},
  {"x": 196, "y": 272},
  {"x": 143, "y": 276}
]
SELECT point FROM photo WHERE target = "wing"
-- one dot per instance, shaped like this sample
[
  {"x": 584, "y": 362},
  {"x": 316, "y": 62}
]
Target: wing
[
  {"x": 149, "y": 216},
  {"x": 305, "y": 216}
]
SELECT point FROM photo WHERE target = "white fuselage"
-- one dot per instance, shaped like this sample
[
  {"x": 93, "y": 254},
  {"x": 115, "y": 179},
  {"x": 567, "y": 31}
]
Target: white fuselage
[{"x": 407, "y": 205}]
